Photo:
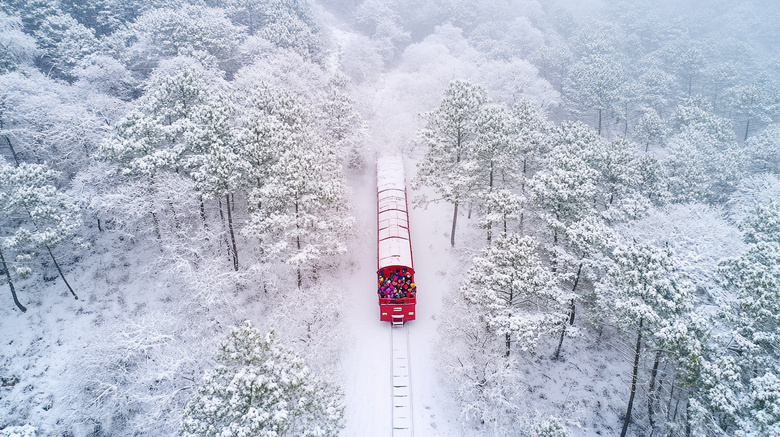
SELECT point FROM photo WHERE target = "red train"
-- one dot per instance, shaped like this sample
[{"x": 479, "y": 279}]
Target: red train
[{"x": 397, "y": 290}]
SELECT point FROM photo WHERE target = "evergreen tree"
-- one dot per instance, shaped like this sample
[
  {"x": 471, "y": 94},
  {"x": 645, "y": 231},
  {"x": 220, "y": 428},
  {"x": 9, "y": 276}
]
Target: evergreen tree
[
  {"x": 448, "y": 166},
  {"x": 565, "y": 190},
  {"x": 643, "y": 293},
  {"x": 595, "y": 85},
  {"x": 516, "y": 295},
  {"x": 765, "y": 149},
  {"x": 757, "y": 102},
  {"x": 261, "y": 388},
  {"x": 650, "y": 130},
  {"x": 496, "y": 152},
  {"x": 46, "y": 217},
  {"x": 298, "y": 211},
  {"x": 17, "y": 48}
]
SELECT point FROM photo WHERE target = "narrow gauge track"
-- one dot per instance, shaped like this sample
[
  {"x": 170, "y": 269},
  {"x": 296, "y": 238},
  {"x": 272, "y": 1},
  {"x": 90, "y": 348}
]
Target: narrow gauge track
[{"x": 403, "y": 425}]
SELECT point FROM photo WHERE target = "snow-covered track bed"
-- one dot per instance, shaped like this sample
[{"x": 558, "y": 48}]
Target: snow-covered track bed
[{"x": 402, "y": 383}]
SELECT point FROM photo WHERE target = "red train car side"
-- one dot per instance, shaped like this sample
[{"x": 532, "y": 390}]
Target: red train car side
[{"x": 396, "y": 288}]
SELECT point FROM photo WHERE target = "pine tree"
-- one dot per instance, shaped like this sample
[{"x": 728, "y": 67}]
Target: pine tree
[
  {"x": 18, "y": 48},
  {"x": 298, "y": 209},
  {"x": 261, "y": 388},
  {"x": 448, "y": 165},
  {"x": 765, "y": 149},
  {"x": 757, "y": 102},
  {"x": 565, "y": 190},
  {"x": 588, "y": 241},
  {"x": 739, "y": 376},
  {"x": 650, "y": 130},
  {"x": 595, "y": 84},
  {"x": 47, "y": 217},
  {"x": 643, "y": 293},
  {"x": 496, "y": 152},
  {"x": 517, "y": 296}
]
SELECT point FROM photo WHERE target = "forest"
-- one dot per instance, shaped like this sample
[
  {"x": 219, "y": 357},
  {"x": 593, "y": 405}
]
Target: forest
[{"x": 188, "y": 216}]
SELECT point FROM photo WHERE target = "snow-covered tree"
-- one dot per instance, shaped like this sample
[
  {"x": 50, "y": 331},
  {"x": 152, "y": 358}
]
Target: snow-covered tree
[
  {"x": 616, "y": 165},
  {"x": 64, "y": 42},
  {"x": 697, "y": 114},
  {"x": 533, "y": 136},
  {"x": 496, "y": 151},
  {"x": 758, "y": 101},
  {"x": 501, "y": 206},
  {"x": 516, "y": 294},
  {"x": 298, "y": 208},
  {"x": 739, "y": 389},
  {"x": 588, "y": 242},
  {"x": 564, "y": 191},
  {"x": 16, "y": 47},
  {"x": 650, "y": 130},
  {"x": 595, "y": 85},
  {"x": 751, "y": 193},
  {"x": 763, "y": 224},
  {"x": 153, "y": 136},
  {"x": 259, "y": 387},
  {"x": 699, "y": 235},
  {"x": 484, "y": 382},
  {"x": 46, "y": 216},
  {"x": 553, "y": 62},
  {"x": 287, "y": 24},
  {"x": 184, "y": 125},
  {"x": 642, "y": 293},
  {"x": 699, "y": 167},
  {"x": 342, "y": 124},
  {"x": 765, "y": 149},
  {"x": 687, "y": 58},
  {"x": 189, "y": 30},
  {"x": 448, "y": 165},
  {"x": 45, "y": 120}
]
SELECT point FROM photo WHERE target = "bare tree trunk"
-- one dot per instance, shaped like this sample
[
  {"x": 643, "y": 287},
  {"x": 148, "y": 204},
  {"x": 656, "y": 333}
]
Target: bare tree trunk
[
  {"x": 490, "y": 189},
  {"x": 176, "y": 223},
  {"x": 747, "y": 129},
  {"x": 61, "y": 274},
  {"x": 651, "y": 392},
  {"x": 11, "y": 283},
  {"x": 572, "y": 311},
  {"x": 599, "y": 121},
  {"x": 203, "y": 212},
  {"x": 156, "y": 226},
  {"x": 454, "y": 222},
  {"x": 224, "y": 224},
  {"x": 232, "y": 234},
  {"x": 633, "y": 379},
  {"x": 13, "y": 152},
  {"x": 671, "y": 396}
]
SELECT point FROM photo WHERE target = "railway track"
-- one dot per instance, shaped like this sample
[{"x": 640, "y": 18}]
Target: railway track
[{"x": 402, "y": 383}]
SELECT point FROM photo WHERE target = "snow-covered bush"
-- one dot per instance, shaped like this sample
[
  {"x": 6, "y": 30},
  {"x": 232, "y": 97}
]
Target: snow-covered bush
[
  {"x": 19, "y": 431},
  {"x": 552, "y": 427},
  {"x": 261, "y": 388}
]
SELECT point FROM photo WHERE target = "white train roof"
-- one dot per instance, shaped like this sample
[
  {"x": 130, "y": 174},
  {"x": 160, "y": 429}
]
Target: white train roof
[{"x": 394, "y": 241}]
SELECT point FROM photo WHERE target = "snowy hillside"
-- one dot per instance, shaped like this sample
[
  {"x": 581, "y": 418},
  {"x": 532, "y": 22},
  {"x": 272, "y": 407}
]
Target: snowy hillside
[{"x": 188, "y": 217}]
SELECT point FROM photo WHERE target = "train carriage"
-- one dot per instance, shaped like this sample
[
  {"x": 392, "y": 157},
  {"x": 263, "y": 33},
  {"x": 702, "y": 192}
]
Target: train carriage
[{"x": 396, "y": 288}]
